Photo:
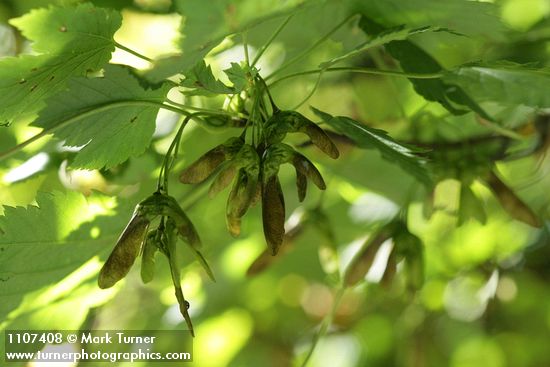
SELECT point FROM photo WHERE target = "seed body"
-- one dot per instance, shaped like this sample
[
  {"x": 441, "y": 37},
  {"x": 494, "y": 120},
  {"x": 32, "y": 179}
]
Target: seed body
[{"x": 125, "y": 252}]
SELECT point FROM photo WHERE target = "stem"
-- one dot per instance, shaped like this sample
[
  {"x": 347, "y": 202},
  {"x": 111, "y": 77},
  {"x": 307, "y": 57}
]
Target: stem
[
  {"x": 271, "y": 101},
  {"x": 135, "y": 53},
  {"x": 271, "y": 39},
  {"x": 310, "y": 94},
  {"x": 245, "y": 45},
  {"x": 500, "y": 130},
  {"x": 326, "y": 323},
  {"x": 168, "y": 247},
  {"x": 179, "y": 293},
  {"x": 167, "y": 162},
  {"x": 310, "y": 48},
  {"x": 199, "y": 109},
  {"x": 360, "y": 71},
  {"x": 253, "y": 118},
  {"x": 264, "y": 114},
  {"x": 88, "y": 113}
]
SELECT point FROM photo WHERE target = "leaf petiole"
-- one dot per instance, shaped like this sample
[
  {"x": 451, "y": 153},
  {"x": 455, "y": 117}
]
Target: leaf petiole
[
  {"x": 171, "y": 155},
  {"x": 135, "y": 53},
  {"x": 199, "y": 109},
  {"x": 245, "y": 46},
  {"x": 271, "y": 101},
  {"x": 310, "y": 48},
  {"x": 310, "y": 94},
  {"x": 271, "y": 39},
  {"x": 360, "y": 71}
]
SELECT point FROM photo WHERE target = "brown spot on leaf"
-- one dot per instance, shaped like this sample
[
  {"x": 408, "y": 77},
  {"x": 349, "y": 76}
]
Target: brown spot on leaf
[
  {"x": 62, "y": 29},
  {"x": 22, "y": 81},
  {"x": 33, "y": 87}
]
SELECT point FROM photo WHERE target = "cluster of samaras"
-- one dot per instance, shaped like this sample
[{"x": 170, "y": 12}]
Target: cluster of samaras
[{"x": 254, "y": 172}]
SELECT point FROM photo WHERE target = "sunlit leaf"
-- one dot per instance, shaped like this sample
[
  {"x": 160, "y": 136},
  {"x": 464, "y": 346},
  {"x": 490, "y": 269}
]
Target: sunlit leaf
[
  {"x": 40, "y": 245},
  {"x": 106, "y": 116},
  {"x": 73, "y": 40}
]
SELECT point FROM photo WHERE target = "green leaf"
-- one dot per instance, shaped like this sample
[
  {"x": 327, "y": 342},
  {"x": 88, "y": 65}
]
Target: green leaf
[
  {"x": 59, "y": 31},
  {"x": 366, "y": 137},
  {"x": 509, "y": 85},
  {"x": 238, "y": 75},
  {"x": 474, "y": 18},
  {"x": 386, "y": 36},
  {"x": 113, "y": 116},
  {"x": 202, "y": 82},
  {"x": 414, "y": 59},
  {"x": 41, "y": 245},
  {"x": 50, "y": 309},
  {"x": 74, "y": 41}
]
